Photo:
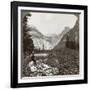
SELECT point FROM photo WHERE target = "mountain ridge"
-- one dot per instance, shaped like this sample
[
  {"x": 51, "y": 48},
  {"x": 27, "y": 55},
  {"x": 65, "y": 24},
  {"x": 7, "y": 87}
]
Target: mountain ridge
[{"x": 45, "y": 42}]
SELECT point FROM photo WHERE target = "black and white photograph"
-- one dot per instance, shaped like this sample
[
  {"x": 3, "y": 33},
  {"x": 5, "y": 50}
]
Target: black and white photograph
[{"x": 50, "y": 44}]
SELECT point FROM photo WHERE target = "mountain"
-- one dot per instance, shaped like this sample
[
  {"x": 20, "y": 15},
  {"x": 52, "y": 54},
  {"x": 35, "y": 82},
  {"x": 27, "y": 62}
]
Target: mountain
[
  {"x": 61, "y": 35},
  {"x": 41, "y": 41},
  {"x": 65, "y": 55},
  {"x": 70, "y": 38},
  {"x": 47, "y": 42}
]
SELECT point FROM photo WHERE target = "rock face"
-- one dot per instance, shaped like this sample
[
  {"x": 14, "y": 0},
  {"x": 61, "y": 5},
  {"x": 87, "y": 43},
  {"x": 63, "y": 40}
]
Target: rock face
[
  {"x": 70, "y": 39},
  {"x": 41, "y": 41}
]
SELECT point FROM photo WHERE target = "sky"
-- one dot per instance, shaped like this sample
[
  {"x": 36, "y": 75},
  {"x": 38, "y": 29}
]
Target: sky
[{"x": 51, "y": 23}]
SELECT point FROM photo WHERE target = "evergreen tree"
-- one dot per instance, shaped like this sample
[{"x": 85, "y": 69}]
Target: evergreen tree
[
  {"x": 28, "y": 45},
  {"x": 27, "y": 41}
]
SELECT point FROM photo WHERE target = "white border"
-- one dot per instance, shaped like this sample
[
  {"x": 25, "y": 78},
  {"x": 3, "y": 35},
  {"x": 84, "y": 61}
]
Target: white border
[{"x": 52, "y": 78}]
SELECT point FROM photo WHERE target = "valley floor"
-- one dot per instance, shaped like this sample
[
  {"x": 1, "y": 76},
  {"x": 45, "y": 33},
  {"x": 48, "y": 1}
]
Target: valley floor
[{"x": 62, "y": 62}]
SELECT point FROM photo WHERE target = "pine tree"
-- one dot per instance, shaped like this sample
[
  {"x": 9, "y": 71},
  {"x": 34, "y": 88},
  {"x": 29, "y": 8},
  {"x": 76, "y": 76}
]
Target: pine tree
[
  {"x": 28, "y": 46},
  {"x": 27, "y": 41}
]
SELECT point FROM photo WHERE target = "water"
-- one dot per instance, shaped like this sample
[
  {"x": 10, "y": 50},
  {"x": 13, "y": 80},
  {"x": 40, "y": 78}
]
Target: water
[{"x": 40, "y": 54}]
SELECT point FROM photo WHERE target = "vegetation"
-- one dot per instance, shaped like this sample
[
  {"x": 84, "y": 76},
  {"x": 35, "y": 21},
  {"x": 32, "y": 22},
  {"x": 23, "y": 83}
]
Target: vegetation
[
  {"x": 28, "y": 46},
  {"x": 66, "y": 60}
]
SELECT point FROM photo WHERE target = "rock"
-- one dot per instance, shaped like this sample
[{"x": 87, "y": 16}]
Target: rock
[
  {"x": 55, "y": 71},
  {"x": 32, "y": 66},
  {"x": 33, "y": 69},
  {"x": 42, "y": 69}
]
